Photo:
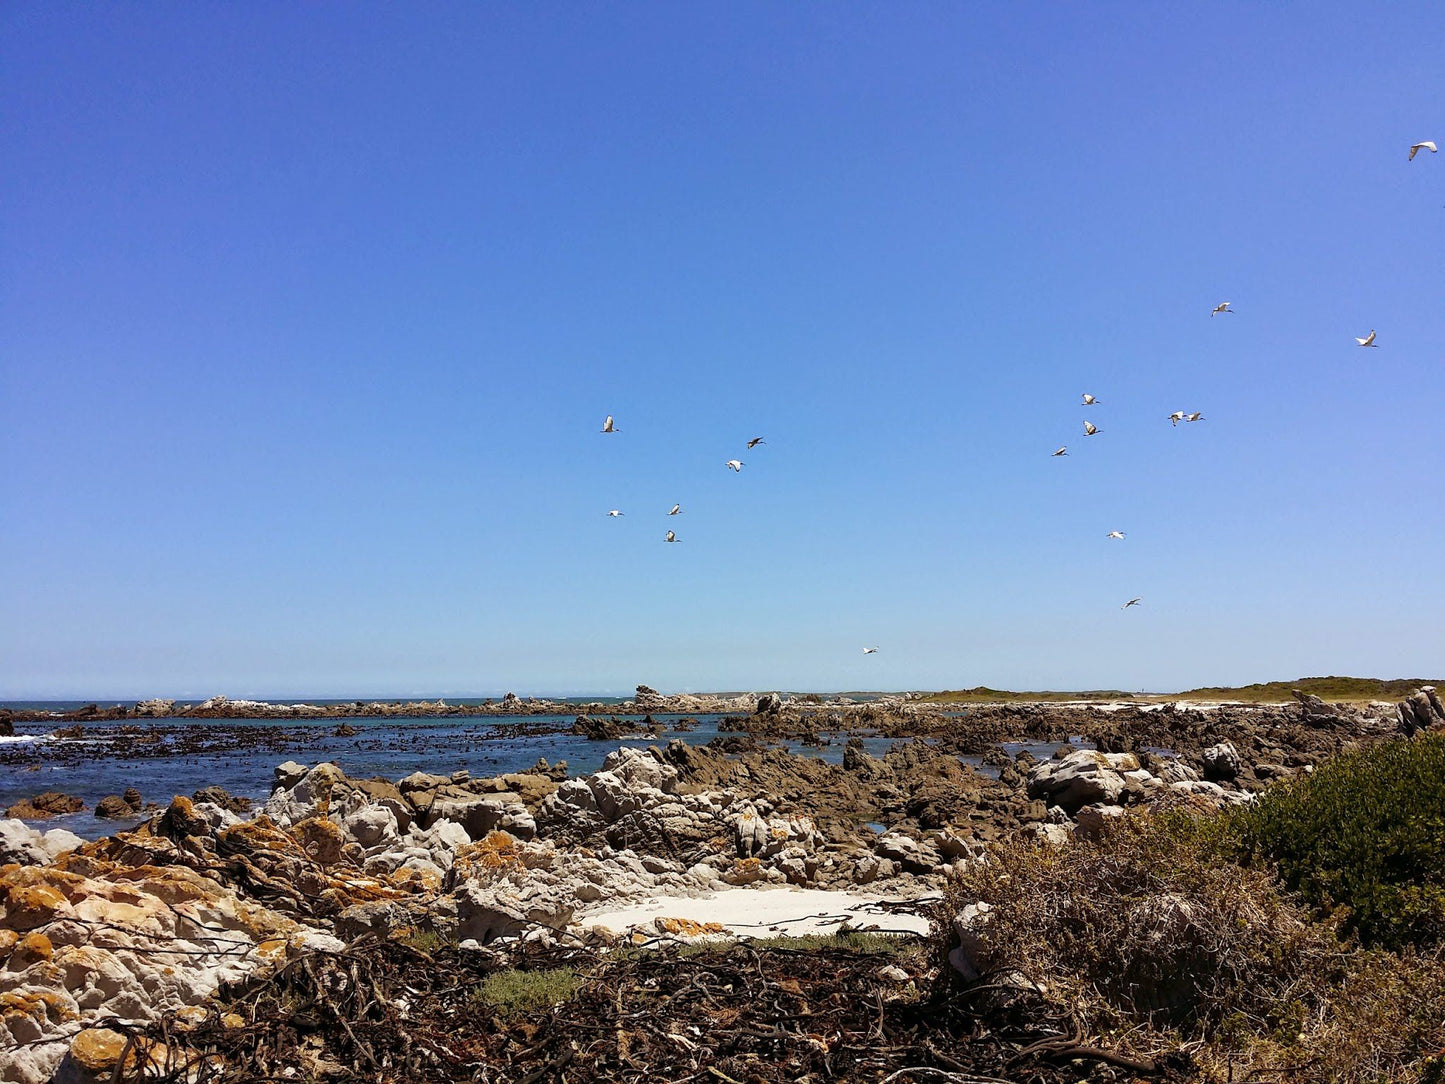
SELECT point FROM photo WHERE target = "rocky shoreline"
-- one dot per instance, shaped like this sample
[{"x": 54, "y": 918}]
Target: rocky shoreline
[
  {"x": 645, "y": 701},
  {"x": 207, "y": 895}
]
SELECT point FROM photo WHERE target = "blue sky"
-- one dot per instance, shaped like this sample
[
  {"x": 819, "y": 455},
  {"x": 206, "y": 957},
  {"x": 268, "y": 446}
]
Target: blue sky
[{"x": 310, "y": 315}]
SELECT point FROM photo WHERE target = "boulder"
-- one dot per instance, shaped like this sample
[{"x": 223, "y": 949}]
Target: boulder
[
  {"x": 1081, "y": 778},
  {"x": 1221, "y": 762},
  {"x": 42, "y": 806},
  {"x": 113, "y": 807},
  {"x": 21, "y": 843},
  {"x": 155, "y": 709},
  {"x": 1092, "y": 821},
  {"x": 769, "y": 704}
]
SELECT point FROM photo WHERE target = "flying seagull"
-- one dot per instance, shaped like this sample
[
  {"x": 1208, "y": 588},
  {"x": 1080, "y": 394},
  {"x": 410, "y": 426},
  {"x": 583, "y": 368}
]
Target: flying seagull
[
  {"x": 1428, "y": 144},
  {"x": 671, "y": 537},
  {"x": 1062, "y": 451},
  {"x": 608, "y": 427},
  {"x": 676, "y": 510},
  {"x": 1090, "y": 429},
  {"x": 735, "y": 465},
  {"x": 1368, "y": 340},
  {"x": 1223, "y": 306},
  {"x": 615, "y": 512},
  {"x": 1131, "y": 602},
  {"x": 1089, "y": 400},
  {"x": 755, "y": 442},
  {"x": 869, "y": 650},
  {"x": 1177, "y": 417},
  {"x": 1197, "y": 416},
  {"x": 1116, "y": 534}
]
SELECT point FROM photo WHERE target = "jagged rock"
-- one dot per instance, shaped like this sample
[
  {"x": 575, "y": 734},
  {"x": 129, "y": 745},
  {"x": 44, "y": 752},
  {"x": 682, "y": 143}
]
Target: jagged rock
[
  {"x": 29, "y": 846},
  {"x": 1221, "y": 762},
  {"x": 1421, "y": 711},
  {"x": 913, "y": 855},
  {"x": 1082, "y": 777},
  {"x": 287, "y": 775},
  {"x": 155, "y": 709},
  {"x": 91, "y": 954},
  {"x": 219, "y": 796},
  {"x": 768, "y": 704}
]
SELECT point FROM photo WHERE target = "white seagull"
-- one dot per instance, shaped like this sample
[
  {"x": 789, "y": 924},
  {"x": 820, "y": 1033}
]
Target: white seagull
[
  {"x": 1177, "y": 417},
  {"x": 755, "y": 442},
  {"x": 608, "y": 427},
  {"x": 1116, "y": 534},
  {"x": 1428, "y": 144},
  {"x": 1197, "y": 416},
  {"x": 1062, "y": 451},
  {"x": 615, "y": 512},
  {"x": 1131, "y": 602},
  {"x": 1090, "y": 429},
  {"x": 671, "y": 537},
  {"x": 1089, "y": 400},
  {"x": 676, "y": 510},
  {"x": 1368, "y": 340},
  {"x": 869, "y": 650},
  {"x": 735, "y": 465},
  {"x": 1223, "y": 306}
]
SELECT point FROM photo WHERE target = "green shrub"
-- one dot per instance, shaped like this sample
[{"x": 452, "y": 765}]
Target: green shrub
[
  {"x": 1364, "y": 838},
  {"x": 517, "y": 993}
]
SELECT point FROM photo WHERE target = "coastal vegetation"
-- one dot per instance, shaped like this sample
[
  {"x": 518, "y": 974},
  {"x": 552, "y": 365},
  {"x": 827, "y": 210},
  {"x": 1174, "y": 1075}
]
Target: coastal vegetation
[
  {"x": 1302, "y": 937},
  {"x": 1349, "y": 690}
]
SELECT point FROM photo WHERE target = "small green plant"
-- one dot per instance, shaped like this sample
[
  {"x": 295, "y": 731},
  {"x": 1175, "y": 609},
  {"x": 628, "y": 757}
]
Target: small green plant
[
  {"x": 517, "y": 993},
  {"x": 1364, "y": 837},
  {"x": 427, "y": 941}
]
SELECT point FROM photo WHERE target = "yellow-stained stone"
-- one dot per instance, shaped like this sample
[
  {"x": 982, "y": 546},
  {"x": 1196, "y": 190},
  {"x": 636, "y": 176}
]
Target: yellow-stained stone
[
  {"x": 32, "y": 947},
  {"x": 8, "y": 938},
  {"x": 97, "y": 1049},
  {"x": 232, "y": 1020}
]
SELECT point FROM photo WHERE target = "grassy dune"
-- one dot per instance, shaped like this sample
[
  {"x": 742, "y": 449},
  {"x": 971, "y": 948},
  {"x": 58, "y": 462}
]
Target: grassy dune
[{"x": 1332, "y": 689}]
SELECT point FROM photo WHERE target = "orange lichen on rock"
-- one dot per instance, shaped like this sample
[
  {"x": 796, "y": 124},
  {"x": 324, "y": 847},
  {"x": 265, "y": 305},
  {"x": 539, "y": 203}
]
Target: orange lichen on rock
[
  {"x": 687, "y": 927},
  {"x": 36, "y": 1004},
  {"x": 497, "y": 851},
  {"x": 32, "y": 948}
]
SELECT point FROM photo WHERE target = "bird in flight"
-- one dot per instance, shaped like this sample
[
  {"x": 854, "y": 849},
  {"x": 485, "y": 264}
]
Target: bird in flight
[
  {"x": 1428, "y": 144},
  {"x": 1223, "y": 306},
  {"x": 1116, "y": 534},
  {"x": 735, "y": 465},
  {"x": 1177, "y": 417},
  {"x": 671, "y": 537},
  {"x": 869, "y": 650},
  {"x": 1090, "y": 429},
  {"x": 608, "y": 427},
  {"x": 1089, "y": 400},
  {"x": 755, "y": 442},
  {"x": 615, "y": 512},
  {"x": 1062, "y": 451},
  {"x": 1131, "y": 602},
  {"x": 676, "y": 510},
  {"x": 1368, "y": 340},
  {"x": 1197, "y": 416}
]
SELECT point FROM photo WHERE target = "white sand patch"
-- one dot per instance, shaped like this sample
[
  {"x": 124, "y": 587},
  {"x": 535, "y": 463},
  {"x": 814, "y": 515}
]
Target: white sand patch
[{"x": 766, "y": 912}]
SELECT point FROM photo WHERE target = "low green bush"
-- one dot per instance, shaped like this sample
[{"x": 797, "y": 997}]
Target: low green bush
[
  {"x": 1363, "y": 838},
  {"x": 517, "y": 993}
]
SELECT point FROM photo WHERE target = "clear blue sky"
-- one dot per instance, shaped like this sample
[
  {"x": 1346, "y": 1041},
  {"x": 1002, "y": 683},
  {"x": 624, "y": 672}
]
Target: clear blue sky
[{"x": 310, "y": 315}]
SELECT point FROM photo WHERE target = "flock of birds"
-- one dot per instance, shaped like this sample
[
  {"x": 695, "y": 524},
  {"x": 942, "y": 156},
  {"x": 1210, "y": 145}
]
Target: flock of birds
[
  {"x": 735, "y": 465},
  {"x": 1224, "y": 308}
]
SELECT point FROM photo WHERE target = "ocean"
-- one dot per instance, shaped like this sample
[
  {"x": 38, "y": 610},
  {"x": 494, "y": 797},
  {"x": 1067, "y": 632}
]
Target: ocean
[{"x": 188, "y": 759}]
